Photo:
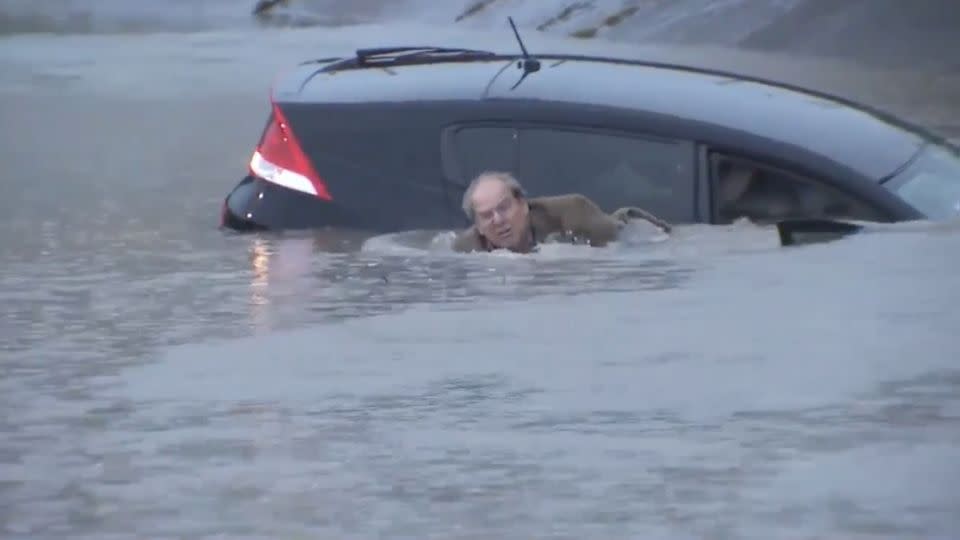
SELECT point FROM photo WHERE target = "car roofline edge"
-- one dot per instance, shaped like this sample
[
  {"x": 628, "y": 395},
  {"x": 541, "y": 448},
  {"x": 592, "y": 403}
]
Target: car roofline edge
[{"x": 350, "y": 62}]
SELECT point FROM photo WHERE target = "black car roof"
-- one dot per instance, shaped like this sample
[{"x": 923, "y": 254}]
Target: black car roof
[{"x": 868, "y": 141}]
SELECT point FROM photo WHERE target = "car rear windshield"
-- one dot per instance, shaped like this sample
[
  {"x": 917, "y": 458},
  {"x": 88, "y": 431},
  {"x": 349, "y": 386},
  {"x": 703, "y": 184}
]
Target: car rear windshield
[{"x": 931, "y": 183}]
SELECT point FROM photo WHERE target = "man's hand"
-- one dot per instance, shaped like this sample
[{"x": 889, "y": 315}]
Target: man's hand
[{"x": 627, "y": 213}]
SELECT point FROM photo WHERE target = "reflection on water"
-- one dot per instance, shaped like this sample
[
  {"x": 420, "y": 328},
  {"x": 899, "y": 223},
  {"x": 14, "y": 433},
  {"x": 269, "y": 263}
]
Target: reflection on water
[{"x": 259, "y": 302}]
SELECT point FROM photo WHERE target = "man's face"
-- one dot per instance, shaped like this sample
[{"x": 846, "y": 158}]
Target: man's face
[{"x": 499, "y": 216}]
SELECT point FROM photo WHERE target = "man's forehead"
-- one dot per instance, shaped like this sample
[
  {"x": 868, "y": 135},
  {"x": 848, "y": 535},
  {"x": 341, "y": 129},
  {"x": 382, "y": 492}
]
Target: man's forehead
[{"x": 490, "y": 193}]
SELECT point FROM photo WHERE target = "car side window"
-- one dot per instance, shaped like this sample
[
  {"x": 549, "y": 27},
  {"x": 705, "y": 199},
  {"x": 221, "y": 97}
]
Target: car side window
[
  {"x": 743, "y": 188},
  {"x": 612, "y": 169}
]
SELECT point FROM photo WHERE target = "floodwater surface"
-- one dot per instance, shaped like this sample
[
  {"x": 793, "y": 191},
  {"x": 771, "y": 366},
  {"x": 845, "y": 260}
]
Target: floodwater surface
[{"x": 165, "y": 379}]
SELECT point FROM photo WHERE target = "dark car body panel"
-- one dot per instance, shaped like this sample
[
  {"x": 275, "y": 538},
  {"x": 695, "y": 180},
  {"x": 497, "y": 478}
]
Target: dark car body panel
[
  {"x": 384, "y": 138},
  {"x": 255, "y": 204},
  {"x": 380, "y": 160}
]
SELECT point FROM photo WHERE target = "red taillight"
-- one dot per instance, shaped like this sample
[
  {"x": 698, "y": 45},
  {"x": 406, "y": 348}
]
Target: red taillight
[{"x": 280, "y": 159}]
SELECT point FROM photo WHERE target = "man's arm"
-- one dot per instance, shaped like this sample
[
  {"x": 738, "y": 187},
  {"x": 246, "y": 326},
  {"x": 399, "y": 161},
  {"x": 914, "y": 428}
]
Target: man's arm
[
  {"x": 585, "y": 219},
  {"x": 627, "y": 213}
]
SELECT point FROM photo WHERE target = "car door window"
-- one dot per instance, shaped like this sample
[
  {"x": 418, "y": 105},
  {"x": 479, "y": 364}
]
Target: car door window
[
  {"x": 743, "y": 188},
  {"x": 612, "y": 169}
]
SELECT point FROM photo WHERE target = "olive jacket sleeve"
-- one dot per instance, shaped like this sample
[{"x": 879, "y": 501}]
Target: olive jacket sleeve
[{"x": 580, "y": 217}]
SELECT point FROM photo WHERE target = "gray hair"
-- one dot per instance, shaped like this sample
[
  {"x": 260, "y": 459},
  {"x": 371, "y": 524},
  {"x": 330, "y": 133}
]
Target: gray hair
[{"x": 508, "y": 179}]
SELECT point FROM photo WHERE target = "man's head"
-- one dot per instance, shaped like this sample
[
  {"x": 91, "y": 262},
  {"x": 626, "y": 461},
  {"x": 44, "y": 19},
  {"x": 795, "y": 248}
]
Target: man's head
[{"x": 497, "y": 205}]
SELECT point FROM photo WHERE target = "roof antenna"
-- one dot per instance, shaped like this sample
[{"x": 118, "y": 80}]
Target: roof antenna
[{"x": 528, "y": 64}]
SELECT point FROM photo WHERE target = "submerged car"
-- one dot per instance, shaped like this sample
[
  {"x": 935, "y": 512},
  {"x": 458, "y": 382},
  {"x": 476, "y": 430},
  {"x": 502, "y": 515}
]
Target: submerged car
[{"x": 388, "y": 139}]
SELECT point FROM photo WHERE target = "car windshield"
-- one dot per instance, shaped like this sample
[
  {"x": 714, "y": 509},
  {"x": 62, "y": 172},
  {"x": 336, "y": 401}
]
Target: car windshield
[{"x": 931, "y": 183}]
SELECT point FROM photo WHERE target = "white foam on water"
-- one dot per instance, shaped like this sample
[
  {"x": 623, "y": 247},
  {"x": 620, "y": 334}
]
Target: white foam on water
[{"x": 637, "y": 241}]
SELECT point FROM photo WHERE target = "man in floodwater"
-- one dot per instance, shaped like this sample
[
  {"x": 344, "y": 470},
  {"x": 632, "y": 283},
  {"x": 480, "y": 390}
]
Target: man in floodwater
[{"x": 504, "y": 218}]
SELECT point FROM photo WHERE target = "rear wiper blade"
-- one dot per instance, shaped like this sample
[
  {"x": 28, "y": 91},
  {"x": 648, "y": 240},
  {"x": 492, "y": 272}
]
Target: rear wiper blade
[
  {"x": 393, "y": 53},
  {"x": 326, "y": 60}
]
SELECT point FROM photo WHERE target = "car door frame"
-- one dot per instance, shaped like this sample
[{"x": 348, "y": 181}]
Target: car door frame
[{"x": 452, "y": 172}]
